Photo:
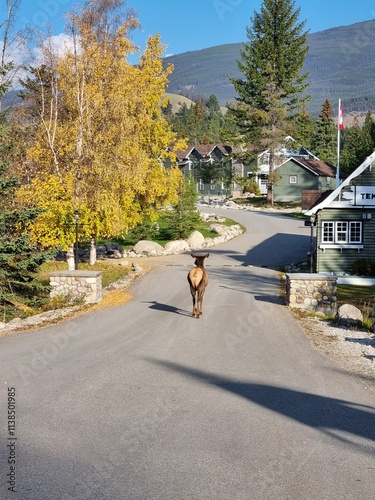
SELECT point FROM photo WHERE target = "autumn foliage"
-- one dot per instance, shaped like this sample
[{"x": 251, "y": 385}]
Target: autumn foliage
[{"x": 100, "y": 138}]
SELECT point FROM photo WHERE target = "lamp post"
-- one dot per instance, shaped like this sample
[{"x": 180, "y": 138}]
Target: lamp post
[
  {"x": 312, "y": 221},
  {"x": 76, "y": 217}
]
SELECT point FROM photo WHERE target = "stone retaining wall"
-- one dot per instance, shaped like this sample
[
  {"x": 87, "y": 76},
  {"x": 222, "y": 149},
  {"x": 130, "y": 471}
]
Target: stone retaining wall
[
  {"x": 314, "y": 292},
  {"x": 77, "y": 284}
]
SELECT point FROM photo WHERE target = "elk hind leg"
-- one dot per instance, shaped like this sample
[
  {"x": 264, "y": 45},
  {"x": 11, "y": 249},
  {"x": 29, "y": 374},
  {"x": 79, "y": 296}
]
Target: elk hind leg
[
  {"x": 193, "y": 294},
  {"x": 200, "y": 301}
]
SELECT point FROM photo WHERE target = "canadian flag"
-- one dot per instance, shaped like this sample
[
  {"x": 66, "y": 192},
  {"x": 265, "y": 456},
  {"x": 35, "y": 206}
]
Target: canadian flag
[{"x": 341, "y": 118}]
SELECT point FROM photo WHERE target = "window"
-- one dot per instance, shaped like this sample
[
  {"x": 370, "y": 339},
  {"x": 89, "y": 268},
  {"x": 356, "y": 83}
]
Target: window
[
  {"x": 327, "y": 232},
  {"x": 341, "y": 232},
  {"x": 201, "y": 185},
  {"x": 355, "y": 232},
  {"x": 292, "y": 179}
]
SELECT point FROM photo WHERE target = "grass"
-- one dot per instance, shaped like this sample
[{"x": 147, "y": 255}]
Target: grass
[
  {"x": 162, "y": 237},
  {"x": 261, "y": 202},
  {"x": 361, "y": 297},
  {"x": 356, "y": 295},
  {"x": 110, "y": 272}
]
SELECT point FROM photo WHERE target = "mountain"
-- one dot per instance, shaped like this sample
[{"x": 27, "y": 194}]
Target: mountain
[{"x": 340, "y": 63}]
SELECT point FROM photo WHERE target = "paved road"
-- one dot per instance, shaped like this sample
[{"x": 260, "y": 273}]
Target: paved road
[{"x": 143, "y": 402}]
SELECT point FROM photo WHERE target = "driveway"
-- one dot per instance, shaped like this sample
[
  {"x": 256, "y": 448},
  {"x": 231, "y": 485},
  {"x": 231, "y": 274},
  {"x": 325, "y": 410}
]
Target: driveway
[{"x": 144, "y": 402}]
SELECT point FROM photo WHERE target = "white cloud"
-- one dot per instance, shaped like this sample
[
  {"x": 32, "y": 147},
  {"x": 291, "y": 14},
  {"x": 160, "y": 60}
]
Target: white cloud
[{"x": 59, "y": 44}]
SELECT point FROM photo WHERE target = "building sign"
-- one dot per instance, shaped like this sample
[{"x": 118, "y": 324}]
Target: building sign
[{"x": 361, "y": 195}]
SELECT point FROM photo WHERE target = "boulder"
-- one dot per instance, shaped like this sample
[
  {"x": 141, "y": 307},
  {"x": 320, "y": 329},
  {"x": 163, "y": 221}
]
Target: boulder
[
  {"x": 147, "y": 247},
  {"x": 231, "y": 204},
  {"x": 176, "y": 246},
  {"x": 218, "y": 228},
  {"x": 114, "y": 250},
  {"x": 349, "y": 315},
  {"x": 195, "y": 240},
  {"x": 209, "y": 242}
]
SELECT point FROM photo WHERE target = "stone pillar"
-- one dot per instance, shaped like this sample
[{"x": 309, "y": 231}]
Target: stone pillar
[
  {"x": 312, "y": 291},
  {"x": 70, "y": 258},
  {"x": 86, "y": 285}
]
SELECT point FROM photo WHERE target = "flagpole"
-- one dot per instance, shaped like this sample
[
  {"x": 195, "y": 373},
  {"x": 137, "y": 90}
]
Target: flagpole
[{"x": 339, "y": 126}]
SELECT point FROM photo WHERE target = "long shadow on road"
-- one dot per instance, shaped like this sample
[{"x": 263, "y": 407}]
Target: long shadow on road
[
  {"x": 263, "y": 284},
  {"x": 335, "y": 417},
  {"x": 275, "y": 252}
]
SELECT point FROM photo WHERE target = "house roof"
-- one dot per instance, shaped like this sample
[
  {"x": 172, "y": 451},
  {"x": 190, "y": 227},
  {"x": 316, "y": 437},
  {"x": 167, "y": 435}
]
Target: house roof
[
  {"x": 296, "y": 150},
  {"x": 183, "y": 153},
  {"x": 316, "y": 167},
  {"x": 203, "y": 149},
  {"x": 334, "y": 194}
]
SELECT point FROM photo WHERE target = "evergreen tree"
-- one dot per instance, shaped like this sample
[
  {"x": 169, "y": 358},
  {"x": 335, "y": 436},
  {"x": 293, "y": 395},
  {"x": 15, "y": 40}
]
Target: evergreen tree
[
  {"x": 19, "y": 258},
  {"x": 356, "y": 147},
  {"x": 324, "y": 141},
  {"x": 209, "y": 172},
  {"x": 303, "y": 127},
  {"x": 369, "y": 127},
  {"x": 199, "y": 124},
  {"x": 184, "y": 217},
  {"x": 273, "y": 86}
]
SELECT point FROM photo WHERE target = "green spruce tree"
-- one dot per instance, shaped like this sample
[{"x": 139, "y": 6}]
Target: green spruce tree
[
  {"x": 20, "y": 259},
  {"x": 273, "y": 87},
  {"x": 303, "y": 127},
  {"x": 357, "y": 145},
  {"x": 183, "y": 218},
  {"x": 369, "y": 128},
  {"x": 324, "y": 141}
]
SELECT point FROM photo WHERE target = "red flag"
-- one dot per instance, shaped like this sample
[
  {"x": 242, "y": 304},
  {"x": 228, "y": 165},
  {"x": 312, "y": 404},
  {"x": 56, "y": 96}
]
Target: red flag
[{"x": 341, "y": 118}]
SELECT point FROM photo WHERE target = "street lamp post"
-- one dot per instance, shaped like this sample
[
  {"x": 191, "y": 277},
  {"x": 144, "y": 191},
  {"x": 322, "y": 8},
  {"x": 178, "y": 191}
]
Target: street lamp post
[
  {"x": 312, "y": 222},
  {"x": 76, "y": 217}
]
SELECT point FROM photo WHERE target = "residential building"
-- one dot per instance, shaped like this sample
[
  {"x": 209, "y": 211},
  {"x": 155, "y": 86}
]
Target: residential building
[{"x": 345, "y": 222}]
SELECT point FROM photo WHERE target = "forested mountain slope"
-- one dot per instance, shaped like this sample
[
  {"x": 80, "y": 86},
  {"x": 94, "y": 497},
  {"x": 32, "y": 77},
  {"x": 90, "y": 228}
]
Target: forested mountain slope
[{"x": 341, "y": 63}]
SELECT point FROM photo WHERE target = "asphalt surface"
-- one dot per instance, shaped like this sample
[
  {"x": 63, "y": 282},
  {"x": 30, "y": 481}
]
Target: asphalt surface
[{"x": 144, "y": 402}]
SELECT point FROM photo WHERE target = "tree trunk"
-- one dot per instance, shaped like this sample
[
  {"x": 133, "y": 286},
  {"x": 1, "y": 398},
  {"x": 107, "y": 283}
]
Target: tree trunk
[
  {"x": 70, "y": 258},
  {"x": 270, "y": 194},
  {"x": 92, "y": 251},
  {"x": 271, "y": 178}
]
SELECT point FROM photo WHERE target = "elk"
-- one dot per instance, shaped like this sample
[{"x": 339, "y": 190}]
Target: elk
[{"x": 198, "y": 279}]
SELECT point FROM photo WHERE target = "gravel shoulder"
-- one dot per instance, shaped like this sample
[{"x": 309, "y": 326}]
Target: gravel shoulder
[{"x": 352, "y": 349}]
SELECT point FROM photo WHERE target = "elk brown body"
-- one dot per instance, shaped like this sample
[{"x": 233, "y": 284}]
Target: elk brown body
[{"x": 198, "y": 280}]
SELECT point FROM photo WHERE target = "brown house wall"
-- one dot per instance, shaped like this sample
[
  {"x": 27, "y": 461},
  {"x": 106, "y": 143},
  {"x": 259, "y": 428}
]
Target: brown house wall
[{"x": 310, "y": 197}]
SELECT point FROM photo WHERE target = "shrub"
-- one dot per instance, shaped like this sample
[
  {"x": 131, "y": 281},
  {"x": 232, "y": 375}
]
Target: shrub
[{"x": 363, "y": 267}]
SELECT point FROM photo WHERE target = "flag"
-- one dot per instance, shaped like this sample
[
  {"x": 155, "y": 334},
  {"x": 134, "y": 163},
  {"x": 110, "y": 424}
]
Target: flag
[{"x": 341, "y": 118}]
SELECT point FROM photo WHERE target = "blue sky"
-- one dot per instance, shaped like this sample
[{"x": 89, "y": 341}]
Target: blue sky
[{"x": 186, "y": 25}]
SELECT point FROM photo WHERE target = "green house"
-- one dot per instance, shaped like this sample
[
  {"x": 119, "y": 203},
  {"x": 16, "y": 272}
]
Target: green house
[
  {"x": 190, "y": 158},
  {"x": 345, "y": 222},
  {"x": 299, "y": 173}
]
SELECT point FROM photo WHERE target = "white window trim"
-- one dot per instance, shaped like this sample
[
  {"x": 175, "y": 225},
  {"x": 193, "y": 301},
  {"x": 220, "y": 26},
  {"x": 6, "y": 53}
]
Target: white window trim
[
  {"x": 343, "y": 244},
  {"x": 343, "y": 224},
  {"x": 295, "y": 179}
]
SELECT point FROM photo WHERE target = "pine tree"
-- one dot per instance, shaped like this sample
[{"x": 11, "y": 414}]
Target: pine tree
[
  {"x": 184, "y": 217},
  {"x": 199, "y": 124},
  {"x": 20, "y": 260},
  {"x": 356, "y": 147},
  {"x": 324, "y": 144},
  {"x": 272, "y": 88},
  {"x": 369, "y": 128},
  {"x": 303, "y": 128}
]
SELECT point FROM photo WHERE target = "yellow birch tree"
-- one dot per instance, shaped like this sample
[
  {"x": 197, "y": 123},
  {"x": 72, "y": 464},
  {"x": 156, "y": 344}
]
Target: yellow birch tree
[{"x": 101, "y": 149}]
